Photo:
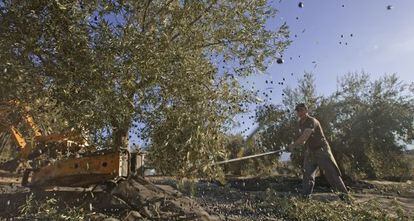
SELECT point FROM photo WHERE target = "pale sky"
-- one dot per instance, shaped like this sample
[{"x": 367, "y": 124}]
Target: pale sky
[{"x": 335, "y": 37}]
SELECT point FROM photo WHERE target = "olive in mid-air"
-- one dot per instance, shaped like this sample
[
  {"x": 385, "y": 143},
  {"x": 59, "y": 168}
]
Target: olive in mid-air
[{"x": 279, "y": 61}]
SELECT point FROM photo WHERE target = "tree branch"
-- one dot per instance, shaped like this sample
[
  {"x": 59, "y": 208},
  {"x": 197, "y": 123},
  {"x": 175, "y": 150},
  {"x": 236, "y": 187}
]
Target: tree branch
[
  {"x": 156, "y": 14},
  {"x": 196, "y": 19},
  {"x": 144, "y": 15}
]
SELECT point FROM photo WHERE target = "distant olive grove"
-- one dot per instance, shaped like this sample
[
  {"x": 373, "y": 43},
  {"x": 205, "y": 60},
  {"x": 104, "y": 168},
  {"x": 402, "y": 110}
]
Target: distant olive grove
[{"x": 367, "y": 122}]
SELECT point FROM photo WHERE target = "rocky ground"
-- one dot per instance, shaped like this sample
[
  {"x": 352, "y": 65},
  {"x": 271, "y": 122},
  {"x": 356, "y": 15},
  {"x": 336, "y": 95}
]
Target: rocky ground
[{"x": 271, "y": 198}]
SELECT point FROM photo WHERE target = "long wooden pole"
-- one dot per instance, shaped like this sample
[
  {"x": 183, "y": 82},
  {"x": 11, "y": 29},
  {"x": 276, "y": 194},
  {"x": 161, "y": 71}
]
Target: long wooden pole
[{"x": 248, "y": 157}]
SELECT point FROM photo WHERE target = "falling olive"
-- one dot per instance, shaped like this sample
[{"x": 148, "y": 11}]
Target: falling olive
[{"x": 279, "y": 61}]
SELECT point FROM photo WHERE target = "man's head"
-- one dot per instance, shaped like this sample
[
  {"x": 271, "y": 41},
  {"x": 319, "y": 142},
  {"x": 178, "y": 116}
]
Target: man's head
[{"x": 301, "y": 110}]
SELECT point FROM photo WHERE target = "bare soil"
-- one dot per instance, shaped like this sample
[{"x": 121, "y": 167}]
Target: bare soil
[{"x": 165, "y": 198}]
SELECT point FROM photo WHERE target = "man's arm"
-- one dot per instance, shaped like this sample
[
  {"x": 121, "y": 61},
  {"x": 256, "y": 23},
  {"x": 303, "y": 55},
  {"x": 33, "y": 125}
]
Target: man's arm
[
  {"x": 304, "y": 137},
  {"x": 301, "y": 140}
]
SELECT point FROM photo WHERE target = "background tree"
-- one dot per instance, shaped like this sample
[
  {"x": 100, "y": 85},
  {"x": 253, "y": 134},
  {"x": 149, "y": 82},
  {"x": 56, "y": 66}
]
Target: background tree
[
  {"x": 374, "y": 119},
  {"x": 163, "y": 70},
  {"x": 368, "y": 123}
]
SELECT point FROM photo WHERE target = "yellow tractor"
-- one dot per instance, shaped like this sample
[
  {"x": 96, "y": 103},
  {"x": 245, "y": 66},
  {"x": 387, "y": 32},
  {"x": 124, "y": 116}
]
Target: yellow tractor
[{"x": 41, "y": 159}]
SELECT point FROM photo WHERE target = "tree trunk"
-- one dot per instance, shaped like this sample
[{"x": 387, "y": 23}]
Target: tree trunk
[{"x": 120, "y": 137}]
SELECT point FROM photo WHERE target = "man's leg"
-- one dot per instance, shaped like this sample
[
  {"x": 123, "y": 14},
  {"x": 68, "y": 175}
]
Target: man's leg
[
  {"x": 309, "y": 173},
  {"x": 331, "y": 173}
]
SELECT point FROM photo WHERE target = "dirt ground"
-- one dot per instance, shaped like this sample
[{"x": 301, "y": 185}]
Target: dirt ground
[
  {"x": 169, "y": 199},
  {"x": 245, "y": 198}
]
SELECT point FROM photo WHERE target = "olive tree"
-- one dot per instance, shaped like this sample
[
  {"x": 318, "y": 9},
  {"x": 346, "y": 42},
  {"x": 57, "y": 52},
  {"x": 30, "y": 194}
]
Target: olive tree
[
  {"x": 162, "y": 70},
  {"x": 367, "y": 122}
]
